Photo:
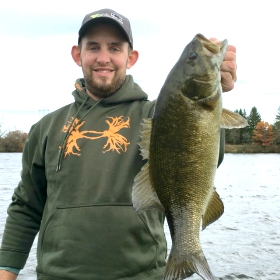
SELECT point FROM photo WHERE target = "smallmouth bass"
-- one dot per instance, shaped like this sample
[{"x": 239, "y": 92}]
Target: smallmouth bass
[{"x": 181, "y": 142}]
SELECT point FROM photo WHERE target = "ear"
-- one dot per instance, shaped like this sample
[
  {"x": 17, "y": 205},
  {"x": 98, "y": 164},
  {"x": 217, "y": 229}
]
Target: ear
[
  {"x": 132, "y": 58},
  {"x": 76, "y": 55}
]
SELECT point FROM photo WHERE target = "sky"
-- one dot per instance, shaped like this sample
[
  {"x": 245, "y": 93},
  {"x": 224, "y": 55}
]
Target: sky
[{"x": 37, "y": 71}]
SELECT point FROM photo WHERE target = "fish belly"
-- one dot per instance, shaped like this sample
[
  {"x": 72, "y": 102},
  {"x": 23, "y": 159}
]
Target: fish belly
[{"x": 184, "y": 152}]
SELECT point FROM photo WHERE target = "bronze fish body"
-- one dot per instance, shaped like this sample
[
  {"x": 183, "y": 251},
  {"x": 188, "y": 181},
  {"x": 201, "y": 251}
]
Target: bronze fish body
[{"x": 181, "y": 143}]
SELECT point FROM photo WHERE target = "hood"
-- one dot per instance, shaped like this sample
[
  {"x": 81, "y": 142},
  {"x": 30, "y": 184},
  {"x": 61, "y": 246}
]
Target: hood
[{"x": 130, "y": 91}]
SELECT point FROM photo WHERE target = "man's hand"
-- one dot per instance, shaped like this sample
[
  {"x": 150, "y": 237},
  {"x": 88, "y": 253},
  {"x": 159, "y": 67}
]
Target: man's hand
[
  {"x": 7, "y": 275},
  {"x": 228, "y": 67}
]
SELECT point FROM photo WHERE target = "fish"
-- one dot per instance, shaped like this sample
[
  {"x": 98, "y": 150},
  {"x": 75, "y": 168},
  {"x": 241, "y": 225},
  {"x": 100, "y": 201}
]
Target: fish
[{"x": 180, "y": 144}]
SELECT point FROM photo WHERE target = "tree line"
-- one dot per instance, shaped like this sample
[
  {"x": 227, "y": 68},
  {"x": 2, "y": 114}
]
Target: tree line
[
  {"x": 258, "y": 132},
  {"x": 12, "y": 141}
]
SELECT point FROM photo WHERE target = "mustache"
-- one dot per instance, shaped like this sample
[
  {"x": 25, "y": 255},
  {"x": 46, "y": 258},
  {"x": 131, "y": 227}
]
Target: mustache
[{"x": 111, "y": 67}]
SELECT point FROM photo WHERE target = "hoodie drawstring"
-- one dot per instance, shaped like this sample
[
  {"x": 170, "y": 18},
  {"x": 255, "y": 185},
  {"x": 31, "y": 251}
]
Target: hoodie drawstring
[{"x": 70, "y": 129}]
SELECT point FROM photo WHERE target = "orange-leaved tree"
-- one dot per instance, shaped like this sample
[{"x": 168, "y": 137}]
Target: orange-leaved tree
[{"x": 263, "y": 134}]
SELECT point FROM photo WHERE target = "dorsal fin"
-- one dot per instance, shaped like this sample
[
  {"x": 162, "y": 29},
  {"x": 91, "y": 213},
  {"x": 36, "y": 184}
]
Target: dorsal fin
[{"x": 144, "y": 195}]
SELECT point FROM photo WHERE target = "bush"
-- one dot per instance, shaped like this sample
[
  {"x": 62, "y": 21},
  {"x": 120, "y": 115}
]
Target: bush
[{"x": 13, "y": 141}]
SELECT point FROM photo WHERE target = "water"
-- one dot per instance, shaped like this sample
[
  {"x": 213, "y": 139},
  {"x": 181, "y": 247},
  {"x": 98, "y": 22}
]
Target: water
[{"x": 243, "y": 244}]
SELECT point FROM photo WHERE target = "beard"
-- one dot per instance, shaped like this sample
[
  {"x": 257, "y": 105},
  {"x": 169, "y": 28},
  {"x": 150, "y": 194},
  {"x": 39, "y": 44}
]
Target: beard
[{"x": 103, "y": 89}]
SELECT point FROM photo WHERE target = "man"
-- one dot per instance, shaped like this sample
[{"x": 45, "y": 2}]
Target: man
[{"x": 79, "y": 164}]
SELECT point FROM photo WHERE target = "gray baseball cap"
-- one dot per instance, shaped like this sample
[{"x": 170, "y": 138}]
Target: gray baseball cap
[{"x": 109, "y": 15}]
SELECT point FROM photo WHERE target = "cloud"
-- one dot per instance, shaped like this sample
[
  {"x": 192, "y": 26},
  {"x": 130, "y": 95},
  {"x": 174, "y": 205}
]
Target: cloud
[
  {"x": 30, "y": 24},
  {"x": 37, "y": 70}
]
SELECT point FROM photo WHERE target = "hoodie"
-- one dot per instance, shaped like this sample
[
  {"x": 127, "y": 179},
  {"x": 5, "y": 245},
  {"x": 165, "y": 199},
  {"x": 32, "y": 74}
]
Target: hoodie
[{"x": 79, "y": 164}]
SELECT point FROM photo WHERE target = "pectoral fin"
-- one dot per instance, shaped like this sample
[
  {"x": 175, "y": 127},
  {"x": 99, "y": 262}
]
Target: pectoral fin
[
  {"x": 213, "y": 211},
  {"x": 230, "y": 120}
]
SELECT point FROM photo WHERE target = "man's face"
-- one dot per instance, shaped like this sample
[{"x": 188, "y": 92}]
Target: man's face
[{"x": 104, "y": 58}]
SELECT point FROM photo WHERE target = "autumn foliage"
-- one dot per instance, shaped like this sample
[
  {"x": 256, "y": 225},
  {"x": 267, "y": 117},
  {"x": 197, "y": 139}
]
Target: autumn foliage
[
  {"x": 263, "y": 134},
  {"x": 258, "y": 133}
]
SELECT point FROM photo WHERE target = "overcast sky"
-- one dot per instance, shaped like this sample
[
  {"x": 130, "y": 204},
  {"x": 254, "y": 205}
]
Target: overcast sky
[{"x": 37, "y": 71}]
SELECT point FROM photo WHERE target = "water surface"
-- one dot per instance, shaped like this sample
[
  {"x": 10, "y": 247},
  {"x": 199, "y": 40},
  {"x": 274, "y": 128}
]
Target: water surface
[{"x": 243, "y": 244}]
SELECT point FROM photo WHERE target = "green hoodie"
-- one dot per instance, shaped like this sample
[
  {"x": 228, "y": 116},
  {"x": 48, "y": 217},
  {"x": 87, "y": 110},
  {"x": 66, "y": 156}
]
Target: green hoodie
[{"x": 79, "y": 164}]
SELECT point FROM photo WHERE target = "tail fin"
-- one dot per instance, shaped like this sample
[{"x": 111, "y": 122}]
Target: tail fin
[{"x": 180, "y": 267}]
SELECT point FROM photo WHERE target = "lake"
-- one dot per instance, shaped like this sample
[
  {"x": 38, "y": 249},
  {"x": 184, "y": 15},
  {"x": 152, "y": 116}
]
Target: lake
[{"x": 243, "y": 244}]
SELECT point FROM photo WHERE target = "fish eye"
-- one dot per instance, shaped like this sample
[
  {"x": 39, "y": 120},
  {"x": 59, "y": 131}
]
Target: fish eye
[{"x": 193, "y": 56}]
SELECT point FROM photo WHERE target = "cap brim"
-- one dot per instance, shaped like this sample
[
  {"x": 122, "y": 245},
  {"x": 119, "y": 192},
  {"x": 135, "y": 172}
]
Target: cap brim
[{"x": 88, "y": 24}]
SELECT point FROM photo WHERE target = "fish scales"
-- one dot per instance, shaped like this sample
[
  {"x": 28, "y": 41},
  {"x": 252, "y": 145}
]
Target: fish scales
[
  {"x": 182, "y": 151},
  {"x": 189, "y": 156}
]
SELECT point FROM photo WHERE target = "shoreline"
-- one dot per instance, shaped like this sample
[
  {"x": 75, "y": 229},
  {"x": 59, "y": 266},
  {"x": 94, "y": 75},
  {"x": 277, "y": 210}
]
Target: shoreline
[
  {"x": 251, "y": 149},
  {"x": 238, "y": 149}
]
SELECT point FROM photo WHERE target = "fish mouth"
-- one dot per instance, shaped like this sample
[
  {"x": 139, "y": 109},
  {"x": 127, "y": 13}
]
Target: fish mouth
[
  {"x": 210, "y": 47},
  {"x": 202, "y": 74}
]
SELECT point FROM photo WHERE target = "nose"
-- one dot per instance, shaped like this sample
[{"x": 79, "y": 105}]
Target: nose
[{"x": 103, "y": 57}]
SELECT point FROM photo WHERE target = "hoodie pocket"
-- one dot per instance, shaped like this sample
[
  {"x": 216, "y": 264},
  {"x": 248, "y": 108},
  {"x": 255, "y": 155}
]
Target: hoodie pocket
[{"x": 98, "y": 242}]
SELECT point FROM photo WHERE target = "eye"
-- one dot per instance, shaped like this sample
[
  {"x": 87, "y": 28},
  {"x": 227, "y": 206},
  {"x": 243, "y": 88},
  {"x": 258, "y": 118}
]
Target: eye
[
  {"x": 115, "y": 49},
  {"x": 193, "y": 56},
  {"x": 94, "y": 48}
]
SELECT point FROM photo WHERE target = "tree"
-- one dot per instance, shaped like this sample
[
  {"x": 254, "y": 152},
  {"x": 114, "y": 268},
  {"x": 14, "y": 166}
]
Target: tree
[
  {"x": 276, "y": 127},
  {"x": 1, "y": 132},
  {"x": 263, "y": 134},
  {"x": 238, "y": 136},
  {"x": 253, "y": 118},
  {"x": 13, "y": 141},
  {"x": 277, "y": 118},
  {"x": 242, "y": 113},
  {"x": 233, "y": 136},
  {"x": 245, "y": 136}
]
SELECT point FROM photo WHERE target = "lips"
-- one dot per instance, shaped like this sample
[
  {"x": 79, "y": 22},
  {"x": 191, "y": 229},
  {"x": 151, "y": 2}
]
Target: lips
[{"x": 103, "y": 70}]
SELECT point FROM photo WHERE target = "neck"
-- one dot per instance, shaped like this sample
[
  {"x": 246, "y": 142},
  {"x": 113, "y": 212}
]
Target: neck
[{"x": 96, "y": 98}]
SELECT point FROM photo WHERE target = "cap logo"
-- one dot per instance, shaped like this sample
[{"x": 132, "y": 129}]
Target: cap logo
[{"x": 112, "y": 15}]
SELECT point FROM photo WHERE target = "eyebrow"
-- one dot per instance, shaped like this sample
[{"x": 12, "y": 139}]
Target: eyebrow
[{"x": 92, "y": 43}]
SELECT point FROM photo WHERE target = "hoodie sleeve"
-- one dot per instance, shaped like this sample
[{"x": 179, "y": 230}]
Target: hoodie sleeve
[
  {"x": 148, "y": 109},
  {"x": 222, "y": 147},
  {"x": 25, "y": 211}
]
